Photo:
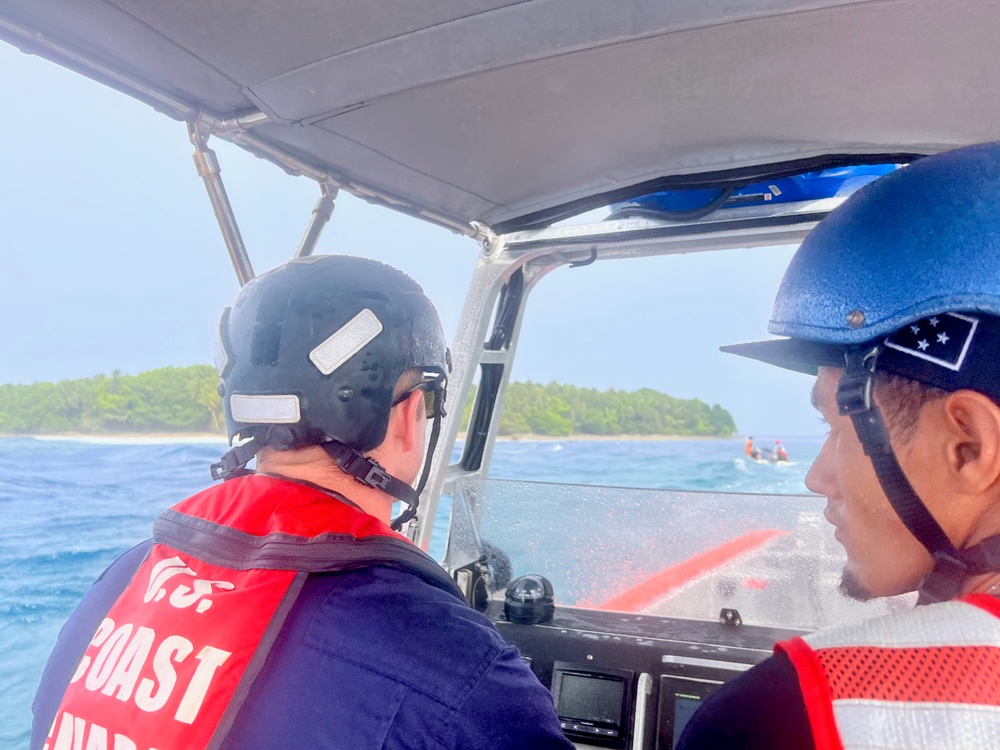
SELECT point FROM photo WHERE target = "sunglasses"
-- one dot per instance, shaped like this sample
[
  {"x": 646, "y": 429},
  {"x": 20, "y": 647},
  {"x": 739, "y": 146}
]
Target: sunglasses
[{"x": 434, "y": 391}]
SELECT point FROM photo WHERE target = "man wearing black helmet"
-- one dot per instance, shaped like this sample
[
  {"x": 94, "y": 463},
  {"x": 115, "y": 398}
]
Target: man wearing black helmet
[
  {"x": 279, "y": 608},
  {"x": 893, "y": 301}
]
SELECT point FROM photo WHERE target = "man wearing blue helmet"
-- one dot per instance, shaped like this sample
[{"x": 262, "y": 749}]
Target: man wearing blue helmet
[
  {"x": 893, "y": 302},
  {"x": 280, "y": 609}
]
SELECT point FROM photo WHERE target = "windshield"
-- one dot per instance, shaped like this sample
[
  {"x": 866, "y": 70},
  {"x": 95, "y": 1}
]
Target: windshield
[
  {"x": 772, "y": 557},
  {"x": 669, "y": 478}
]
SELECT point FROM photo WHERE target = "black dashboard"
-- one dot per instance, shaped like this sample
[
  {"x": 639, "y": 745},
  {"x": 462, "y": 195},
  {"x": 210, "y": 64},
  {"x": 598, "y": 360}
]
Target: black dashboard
[{"x": 631, "y": 681}]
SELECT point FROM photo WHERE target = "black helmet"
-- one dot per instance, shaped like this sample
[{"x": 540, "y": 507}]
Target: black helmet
[
  {"x": 310, "y": 354},
  {"x": 312, "y": 351}
]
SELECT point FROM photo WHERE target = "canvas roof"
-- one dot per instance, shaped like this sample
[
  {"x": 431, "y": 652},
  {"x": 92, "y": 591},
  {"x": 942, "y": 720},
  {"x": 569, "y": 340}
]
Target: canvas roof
[{"x": 508, "y": 113}]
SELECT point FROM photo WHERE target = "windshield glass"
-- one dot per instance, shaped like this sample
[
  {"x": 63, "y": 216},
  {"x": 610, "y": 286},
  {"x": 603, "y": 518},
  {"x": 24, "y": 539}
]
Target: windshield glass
[
  {"x": 771, "y": 557},
  {"x": 637, "y": 495}
]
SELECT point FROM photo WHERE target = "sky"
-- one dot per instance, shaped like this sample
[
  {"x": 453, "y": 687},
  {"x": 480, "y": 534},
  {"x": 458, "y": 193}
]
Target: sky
[{"x": 111, "y": 259}]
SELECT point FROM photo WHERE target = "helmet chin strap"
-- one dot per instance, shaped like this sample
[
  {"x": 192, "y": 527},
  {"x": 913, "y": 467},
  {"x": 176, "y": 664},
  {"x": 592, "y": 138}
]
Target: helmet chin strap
[
  {"x": 411, "y": 512},
  {"x": 233, "y": 463},
  {"x": 370, "y": 473},
  {"x": 365, "y": 470},
  {"x": 854, "y": 399}
]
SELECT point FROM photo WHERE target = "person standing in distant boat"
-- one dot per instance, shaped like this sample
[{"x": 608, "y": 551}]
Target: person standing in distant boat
[
  {"x": 779, "y": 453},
  {"x": 280, "y": 608},
  {"x": 751, "y": 451},
  {"x": 893, "y": 303}
]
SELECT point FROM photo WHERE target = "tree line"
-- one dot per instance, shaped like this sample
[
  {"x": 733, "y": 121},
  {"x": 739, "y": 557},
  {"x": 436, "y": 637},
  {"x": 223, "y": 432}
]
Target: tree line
[
  {"x": 168, "y": 399},
  {"x": 563, "y": 410},
  {"x": 185, "y": 399}
]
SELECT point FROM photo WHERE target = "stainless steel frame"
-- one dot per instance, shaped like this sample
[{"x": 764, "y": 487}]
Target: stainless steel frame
[{"x": 541, "y": 251}]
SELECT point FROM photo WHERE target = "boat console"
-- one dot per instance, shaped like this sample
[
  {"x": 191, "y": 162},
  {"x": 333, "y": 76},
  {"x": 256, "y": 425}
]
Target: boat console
[{"x": 632, "y": 681}]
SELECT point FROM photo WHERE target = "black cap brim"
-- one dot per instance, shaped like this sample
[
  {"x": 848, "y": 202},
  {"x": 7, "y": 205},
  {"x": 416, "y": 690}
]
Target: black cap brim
[
  {"x": 950, "y": 350},
  {"x": 791, "y": 354}
]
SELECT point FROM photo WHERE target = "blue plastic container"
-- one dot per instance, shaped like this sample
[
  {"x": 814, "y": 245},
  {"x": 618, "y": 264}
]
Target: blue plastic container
[{"x": 826, "y": 183}]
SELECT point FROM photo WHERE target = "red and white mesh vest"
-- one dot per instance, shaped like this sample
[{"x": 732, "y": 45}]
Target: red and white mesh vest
[
  {"x": 175, "y": 655},
  {"x": 924, "y": 678}
]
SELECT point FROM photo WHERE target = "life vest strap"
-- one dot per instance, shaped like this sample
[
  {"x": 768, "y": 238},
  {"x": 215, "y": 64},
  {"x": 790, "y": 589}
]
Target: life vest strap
[{"x": 326, "y": 553}]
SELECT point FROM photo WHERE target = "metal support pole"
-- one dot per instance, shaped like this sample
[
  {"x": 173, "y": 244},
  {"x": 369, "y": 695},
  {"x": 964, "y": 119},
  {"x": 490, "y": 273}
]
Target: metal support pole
[
  {"x": 208, "y": 168},
  {"x": 320, "y": 216}
]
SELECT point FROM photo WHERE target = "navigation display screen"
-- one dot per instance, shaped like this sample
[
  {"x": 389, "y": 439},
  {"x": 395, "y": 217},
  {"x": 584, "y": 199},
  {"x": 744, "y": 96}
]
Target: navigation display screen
[
  {"x": 681, "y": 696},
  {"x": 590, "y": 699},
  {"x": 684, "y": 708}
]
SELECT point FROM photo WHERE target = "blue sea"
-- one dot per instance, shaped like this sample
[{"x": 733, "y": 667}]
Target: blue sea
[{"x": 70, "y": 506}]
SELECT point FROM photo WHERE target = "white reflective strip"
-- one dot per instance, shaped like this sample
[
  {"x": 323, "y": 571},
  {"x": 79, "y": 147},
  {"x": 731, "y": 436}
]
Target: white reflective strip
[
  {"x": 282, "y": 409},
  {"x": 945, "y": 624},
  {"x": 346, "y": 342},
  {"x": 697, "y": 661},
  {"x": 221, "y": 355},
  {"x": 869, "y": 724}
]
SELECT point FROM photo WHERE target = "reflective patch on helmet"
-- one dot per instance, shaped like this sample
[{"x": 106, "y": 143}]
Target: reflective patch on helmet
[
  {"x": 346, "y": 342},
  {"x": 942, "y": 339},
  {"x": 221, "y": 355},
  {"x": 280, "y": 409}
]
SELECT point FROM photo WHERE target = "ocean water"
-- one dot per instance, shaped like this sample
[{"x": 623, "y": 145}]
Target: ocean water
[{"x": 70, "y": 506}]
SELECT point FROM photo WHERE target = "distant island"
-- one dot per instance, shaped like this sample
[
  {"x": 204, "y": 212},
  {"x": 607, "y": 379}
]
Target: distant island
[
  {"x": 168, "y": 399},
  {"x": 566, "y": 410},
  {"x": 186, "y": 400}
]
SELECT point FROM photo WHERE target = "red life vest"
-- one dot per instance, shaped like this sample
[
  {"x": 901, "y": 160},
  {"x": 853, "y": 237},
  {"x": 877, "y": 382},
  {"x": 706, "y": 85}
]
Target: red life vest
[
  {"x": 173, "y": 659},
  {"x": 927, "y": 677}
]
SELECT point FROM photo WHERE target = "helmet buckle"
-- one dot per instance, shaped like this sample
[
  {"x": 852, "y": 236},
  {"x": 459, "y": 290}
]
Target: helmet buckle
[
  {"x": 854, "y": 395},
  {"x": 365, "y": 470},
  {"x": 233, "y": 464},
  {"x": 376, "y": 477},
  {"x": 854, "y": 400}
]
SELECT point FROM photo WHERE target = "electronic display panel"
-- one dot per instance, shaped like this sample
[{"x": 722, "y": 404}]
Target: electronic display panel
[
  {"x": 592, "y": 702},
  {"x": 684, "y": 708},
  {"x": 680, "y": 697},
  {"x": 590, "y": 699}
]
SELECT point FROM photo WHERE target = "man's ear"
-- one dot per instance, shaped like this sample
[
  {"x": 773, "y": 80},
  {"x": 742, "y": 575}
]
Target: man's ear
[
  {"x": 972, "y": 424},
  {"x": 404, "y": 423}
]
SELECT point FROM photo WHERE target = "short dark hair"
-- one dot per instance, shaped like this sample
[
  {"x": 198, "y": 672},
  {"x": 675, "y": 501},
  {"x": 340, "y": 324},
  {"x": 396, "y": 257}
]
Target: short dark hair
[{"x": 901, "y": 399}]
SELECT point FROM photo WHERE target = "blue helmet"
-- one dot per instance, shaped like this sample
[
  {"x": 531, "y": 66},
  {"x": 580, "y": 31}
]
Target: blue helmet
[
  {"x": 902, "y": 252},
  {"x": 903, "y": 277}
]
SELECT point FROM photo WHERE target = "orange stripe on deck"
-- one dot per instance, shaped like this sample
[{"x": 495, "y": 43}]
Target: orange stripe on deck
[{"x": 644, "y": 594}]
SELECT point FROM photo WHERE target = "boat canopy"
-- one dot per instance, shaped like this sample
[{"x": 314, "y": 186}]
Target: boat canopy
[{"x": 513, "y": 114}]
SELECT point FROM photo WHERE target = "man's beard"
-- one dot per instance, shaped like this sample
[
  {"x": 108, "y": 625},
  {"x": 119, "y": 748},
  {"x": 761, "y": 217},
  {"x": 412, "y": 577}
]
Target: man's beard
[{"x": 852, "y": 588}]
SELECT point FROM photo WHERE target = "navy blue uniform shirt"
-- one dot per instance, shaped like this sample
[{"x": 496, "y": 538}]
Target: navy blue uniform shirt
[
  {"x": 762, "y": 709},
  {"x": 370, "y": 658}
]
